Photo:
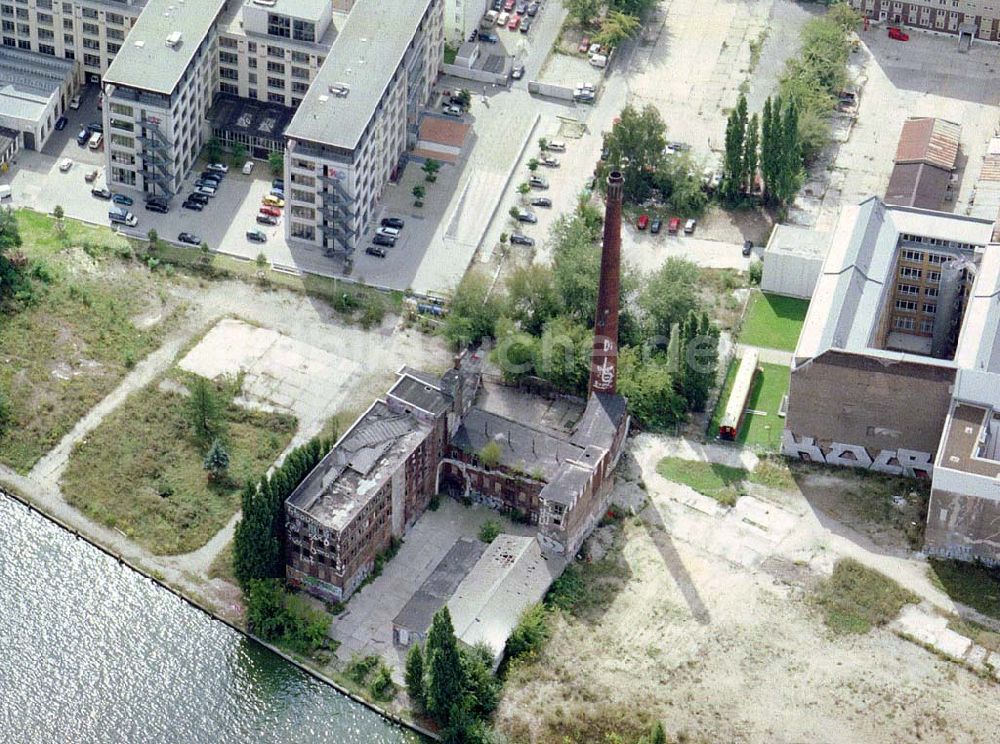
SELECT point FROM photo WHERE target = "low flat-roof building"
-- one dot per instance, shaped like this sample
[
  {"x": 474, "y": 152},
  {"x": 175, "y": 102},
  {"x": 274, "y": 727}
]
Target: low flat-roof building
[
  {"x": 926, "y": 157},
  {"x": 256, "y": 125},
  {"x": 792, "y": 261},
  {"x": 901, "y": 342},
  {"x": 34, "y": 91}
]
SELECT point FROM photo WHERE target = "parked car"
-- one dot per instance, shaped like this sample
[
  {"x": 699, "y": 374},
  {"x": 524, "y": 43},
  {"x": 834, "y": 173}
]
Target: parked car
[
  {"x": 61, "y": 123},
  {"x": 584, "y": 45},
  {"x": 194, "y": 206},
  {"x": 515, "y": 21},
  {"x": 537, "y": 182},
  {"x": 655, "y": 226},
  {"x": 65, "y": 164},
  {"x": 385, "y": 240},
  {"x": 91, "y": 175},
  {"x": 395, "y": 222},
  {"x": 278, "y": 183},
  {"x": 503, "y": 18},
  {"x": 521, "y": 239},
  {"x": 208, "y": 184},
  {"x": 208, "y": 191},
  {"x": 497, "y": 5},
  {"x": 212, "y": 176},
  {"x": 528, "y": 217},
  {"x": 196, "y": 197},
  {"x": 96, "y": 140},
  {"x": 83, "y": 137},
  {"x": 533, "y": 9},
  {"x": 508, "y": 5},
  {"x": 898, "y": 34},
  {"x": 95, "y": 126},
  {"x": 521, "y": 6},
  {"x": 747, "y": 247},
  {"x": 643, "y": 222},
  {"x": 452, "y": 111},
  {"x": 256, "y": 236},
  {"x": 489, "y": 37},
  {"x": 217, "y": 167},
  {"x": 248, "y": 168},
  {"x": 556, "y": 146},
  {"x": 273, "y": 211},
  {"x": 375, "y": 250},
  {"x": 280, "y": 193},
  {"x": 517, "y": 72},
  {"x": 689, "y": 226},
  {"x": 274, "y": 201},
  {"x": 74, "y": 102},
  {"x": 674, "y": 225},
  {"x": 525, "y": 24},
  {"x": 125, "y": 201},
  {"x": 541, "y": 201},
  {"x": 189, "y": 238},
  {"x": 392, "y": 232},
  {"x": 101, "y": 193},
  {"x": 266, "y": 219},
  {"x": 157, "y": 205},
  {"x": 549, "y": 161}
]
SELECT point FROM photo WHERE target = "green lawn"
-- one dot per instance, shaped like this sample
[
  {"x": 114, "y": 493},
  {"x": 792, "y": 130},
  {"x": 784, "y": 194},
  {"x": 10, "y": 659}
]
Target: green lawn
[
  {"x": 723, "y": 482},
  {"x": 70, "y": 345},
  {"x": 856, "y": 598},
  {"x": 773, "y": 321},
  {"x": 141, "y": 470},
  {"x": 769, "y": 387}
]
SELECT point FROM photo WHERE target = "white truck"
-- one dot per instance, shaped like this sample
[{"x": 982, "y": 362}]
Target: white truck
[{"x": 121, "y": 216}]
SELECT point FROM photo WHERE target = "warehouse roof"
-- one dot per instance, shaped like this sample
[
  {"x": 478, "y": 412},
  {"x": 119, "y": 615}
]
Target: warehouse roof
[
  {"x": 28, "y": 81},
  {"x": 929, "y": 140},
  {"x": 361, "y": 64},
  {"x": 918, "y": 185},
  {"x": 148, "y": 60}
]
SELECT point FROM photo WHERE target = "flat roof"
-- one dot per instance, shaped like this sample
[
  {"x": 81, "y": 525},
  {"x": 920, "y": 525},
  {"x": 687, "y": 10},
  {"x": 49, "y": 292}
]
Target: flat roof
[
  {"x": 439, "y": 587},
  {"x": 145, "y": 61},
  {"x": 857, "y": 275},
  {"x": 308, "y": 10},
  {"x": 513, "y": 574},
  {"x": 420, "y": 394},
  {"x": 798, "y": 241},
  {"x": 28, "y": 81},
  {"x": 249, "y": 116},
  {"x": 363, "y": 58}
]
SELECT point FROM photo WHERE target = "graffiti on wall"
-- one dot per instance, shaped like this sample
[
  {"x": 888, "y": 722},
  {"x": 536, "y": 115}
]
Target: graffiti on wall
[{"x": 911, "y": 463}]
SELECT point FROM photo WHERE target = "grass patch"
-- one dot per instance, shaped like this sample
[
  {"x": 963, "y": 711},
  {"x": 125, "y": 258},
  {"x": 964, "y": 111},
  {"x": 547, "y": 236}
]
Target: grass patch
[
  {"x": 763, "y": 430},
  {"x": 773, "y": 472},
  {"x": 720, "y": 482},
  {"x": 141, "y": 470},
  {"x": 773, "y": 321},
  {"x": 856, "y": 598},
  {"x": 973, "y": 584},
  {"x": 222, "y": 566},
  {"x": 68, "y": 348}
]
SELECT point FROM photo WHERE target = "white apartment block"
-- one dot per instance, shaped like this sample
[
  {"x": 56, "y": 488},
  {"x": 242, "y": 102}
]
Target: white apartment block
[
  {"x": 89, "y": 31},
  {"x": 348, "y": 137},
  {"x": 271, "y": 50},
  {"x": 157, "y": 93},
  {"x": 946, "y": 16}
]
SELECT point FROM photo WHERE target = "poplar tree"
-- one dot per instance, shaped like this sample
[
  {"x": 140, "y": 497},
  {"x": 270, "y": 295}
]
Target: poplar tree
[
  {"x": 415, "y": 676},
  {"x": 750, "y": 157},
  {"x": 445, "y": 677},
  {"x": 791, "y": 153}
]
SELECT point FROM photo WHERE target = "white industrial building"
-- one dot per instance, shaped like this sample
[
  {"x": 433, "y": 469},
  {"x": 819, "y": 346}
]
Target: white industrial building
[
  {"x": 34, "y": 92},
  {"x": 793, "y": 260}
]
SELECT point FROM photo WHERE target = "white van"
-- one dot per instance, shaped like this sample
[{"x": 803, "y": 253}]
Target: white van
[
  {"x": 556, "y": 146},
  {"x": 599, "y": 60},
  {"x": 5, "y": 192},
  {"x": 248, "y": 168},
  {"x": 95, "y": 141}
]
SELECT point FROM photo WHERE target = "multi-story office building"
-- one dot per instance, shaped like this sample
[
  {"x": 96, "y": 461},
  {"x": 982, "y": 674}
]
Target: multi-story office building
[
  {"x": 271, "y": 51},
  {"x": 158, "y": 91},
  {"x": 89, "y": 31},
  {"x": 347, "y": 138},
  {"x": 947, "y": 16}
]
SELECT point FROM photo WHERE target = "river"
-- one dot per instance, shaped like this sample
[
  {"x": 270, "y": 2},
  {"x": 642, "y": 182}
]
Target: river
[{"x": 91, "y": 651}]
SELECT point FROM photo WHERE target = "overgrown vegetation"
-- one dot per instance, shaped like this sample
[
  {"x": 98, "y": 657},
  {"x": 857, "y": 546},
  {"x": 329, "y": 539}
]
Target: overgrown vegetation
[
  {"x": 973, "y": 584},
  {"x": 142, "y": 469},
  {"x": 371, "y": 673},
  {"x": 542, "y": 320},
  {"x": 857, "y": 598},
  {"x": 720, "y": 482},
  {"x": 489, "y": 530},
  {"x": 283, "y": 618}
]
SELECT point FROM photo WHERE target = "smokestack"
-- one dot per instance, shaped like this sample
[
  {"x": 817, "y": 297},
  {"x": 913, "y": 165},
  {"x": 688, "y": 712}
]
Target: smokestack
[{"x": 604, "y": 358}]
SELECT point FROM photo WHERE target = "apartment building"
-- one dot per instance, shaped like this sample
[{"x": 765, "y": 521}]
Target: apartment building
[
  {"x": 271, "y": 50},
  {"x": 88, "y": 31},
  {"x": 981, "y": 17},
  {"x": 158, "y": 91},
  {"x": 348, "y": 137}
]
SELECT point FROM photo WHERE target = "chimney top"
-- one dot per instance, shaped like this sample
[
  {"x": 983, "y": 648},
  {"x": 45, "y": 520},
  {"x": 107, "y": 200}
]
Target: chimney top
[{"x": 616, "y": 185}]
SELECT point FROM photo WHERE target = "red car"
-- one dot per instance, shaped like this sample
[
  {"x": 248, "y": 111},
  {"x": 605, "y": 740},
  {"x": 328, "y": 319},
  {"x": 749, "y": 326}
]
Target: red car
[
  {"x": 508, "y": 5},
  {"x": 515, "y": 21},
  {"x": 584, "y": 45},
  {"x": 272, "y": 211},
  {"x": 643, "y": 222},
  {"x": 898, "y": 34},
  {"x": 674, "y": 225}
]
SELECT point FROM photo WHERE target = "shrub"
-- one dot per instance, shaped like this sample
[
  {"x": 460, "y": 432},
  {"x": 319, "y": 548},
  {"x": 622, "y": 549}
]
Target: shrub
[
  {"x": 755, "y": 271},
  {"x": 489, "y": 531},
  {"x": 530, "y": 634},
  {"x": 382, "y": 687},
  {"x": 490, "y": 454}
]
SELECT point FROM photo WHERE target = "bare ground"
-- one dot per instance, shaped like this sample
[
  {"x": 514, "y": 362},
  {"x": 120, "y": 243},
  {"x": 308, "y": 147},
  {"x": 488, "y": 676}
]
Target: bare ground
[{"x": 707, "y": 622}]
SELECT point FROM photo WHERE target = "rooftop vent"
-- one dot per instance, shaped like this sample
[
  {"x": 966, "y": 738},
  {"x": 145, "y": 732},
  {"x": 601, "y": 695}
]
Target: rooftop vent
[
  {"x": 174, "y": 38},
  {"x": 340, "y": 89},
  {"x": 140, "y": 43},
  {"x": 266, "y": 3}
]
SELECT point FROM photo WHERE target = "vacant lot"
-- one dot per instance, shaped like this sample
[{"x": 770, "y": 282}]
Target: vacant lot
[
  {"x": 88, "y": 322},
  {"x": 773, "y": 322},
  {"x": 142, "y": 472}
]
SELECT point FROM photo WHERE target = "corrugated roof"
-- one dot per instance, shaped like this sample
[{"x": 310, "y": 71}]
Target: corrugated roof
[
  {"x": 929, "y": 140},
  {"x": 917, "y": 185}
]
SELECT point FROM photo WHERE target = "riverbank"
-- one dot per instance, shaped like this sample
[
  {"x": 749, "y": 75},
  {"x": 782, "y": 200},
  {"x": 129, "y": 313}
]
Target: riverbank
[{"x": 12, "y": 492}]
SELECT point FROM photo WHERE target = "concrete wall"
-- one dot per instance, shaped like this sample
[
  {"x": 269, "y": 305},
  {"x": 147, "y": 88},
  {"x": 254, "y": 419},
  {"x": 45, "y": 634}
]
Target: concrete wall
[
  {"x": 862, "y": 401},
  {"x": 562, "y": 92},
  {"x": 963, "y": 527},
  {"x": 791, "y": 275},
  {"x": 479, "y": 76}
]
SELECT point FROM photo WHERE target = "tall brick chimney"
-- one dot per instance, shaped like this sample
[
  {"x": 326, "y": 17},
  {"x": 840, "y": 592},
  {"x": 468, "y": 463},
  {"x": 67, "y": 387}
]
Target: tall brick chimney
[{"x": 604, "y": 358}]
